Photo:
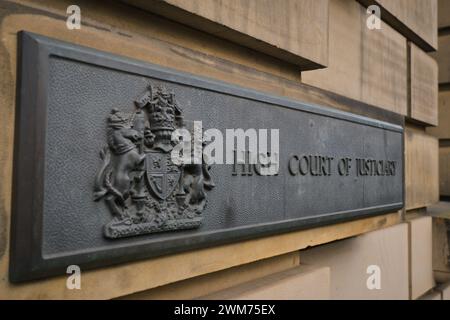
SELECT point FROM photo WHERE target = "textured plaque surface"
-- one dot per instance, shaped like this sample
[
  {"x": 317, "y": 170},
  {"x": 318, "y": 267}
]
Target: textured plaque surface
[{"x": 90, "y": 190}]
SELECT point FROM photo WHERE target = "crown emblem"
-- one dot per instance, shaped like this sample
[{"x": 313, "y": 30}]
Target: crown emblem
[{"x": 162, "y": 108}]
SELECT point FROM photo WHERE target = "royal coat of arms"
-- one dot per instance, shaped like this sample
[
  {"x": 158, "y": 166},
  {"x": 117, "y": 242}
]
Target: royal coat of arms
[{"x": 144, "y": 189}]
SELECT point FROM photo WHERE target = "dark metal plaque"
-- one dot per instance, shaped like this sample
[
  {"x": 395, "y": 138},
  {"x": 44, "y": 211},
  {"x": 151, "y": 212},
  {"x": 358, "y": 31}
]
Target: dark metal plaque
[{"x": 95, "y": 185}]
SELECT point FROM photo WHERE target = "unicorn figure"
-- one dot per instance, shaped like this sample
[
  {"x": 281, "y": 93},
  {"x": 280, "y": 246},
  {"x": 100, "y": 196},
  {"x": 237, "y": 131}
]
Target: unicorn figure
[{"x": 120, "y": 159}]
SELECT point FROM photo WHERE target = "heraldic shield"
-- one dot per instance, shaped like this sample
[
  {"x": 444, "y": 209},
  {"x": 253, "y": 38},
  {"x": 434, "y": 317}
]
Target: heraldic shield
[
  {"x": 163, "y": 176},
  {"x": 144, "y": 190}
]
